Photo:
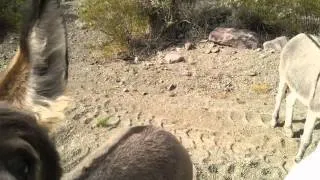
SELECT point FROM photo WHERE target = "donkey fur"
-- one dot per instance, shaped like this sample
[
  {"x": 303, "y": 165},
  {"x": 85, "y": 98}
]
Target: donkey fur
[
  {"x": 138, "y": 153},
  {"x": 26, "y": 152},
  {"x": 36, "y": 77}
]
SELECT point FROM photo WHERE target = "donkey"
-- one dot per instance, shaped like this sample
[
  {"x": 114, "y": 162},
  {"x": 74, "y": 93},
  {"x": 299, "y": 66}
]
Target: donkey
[
  {"x": 36, "y": 77},
  {"x": 137, "y": 153},
  {"x": 26, "y": 151},
  {"x": 306, "y": 168},
  {"x": 299, "y": 72},
  {"x": 34, "y": 84},
  {"x": 31, "y": 96}
]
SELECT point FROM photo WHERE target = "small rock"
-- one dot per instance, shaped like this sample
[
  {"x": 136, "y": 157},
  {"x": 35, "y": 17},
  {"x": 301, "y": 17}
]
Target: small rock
[
  {"x": 87, "y": 120},
  {"x": 215, "y": 50},
  {"x": 136, "y": 60},
  {"x": 144, "y": 93},
  {"x": 188, "y": 46},
  {"x": 160, "y": 55},
  {"x": 145, "y": 68},
  {"x": 12, "y": 40},
  {"x": 149, "y": 64},
  {"x": 208, "y": 51},
  {"x": 252, "y": 73},
  {"x": 161, "y": 63},
  {"x": 193, "y": 63},
  {"x": 258, "y": 49},
  {"x": 122, "y": 82},
  {"x": 174, "y": 58},
  {"x": 262, "y": 56},
  {"x": 172, "y": 87},
  {"x": 125, "y": 90},
  {"x": 172, "y": 94},
  {"x": 178, "y": 49},
  {"x": 239, "y": 101},
  {"x": 80, "y": 24},
  {"x": 188, "y": 73}
]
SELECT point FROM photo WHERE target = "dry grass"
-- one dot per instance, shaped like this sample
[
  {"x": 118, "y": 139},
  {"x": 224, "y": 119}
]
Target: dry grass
[
  {"x": 261, "y": 88},
  {"x": 121, "y": 21},
  {"x": 103, "y": 122}
]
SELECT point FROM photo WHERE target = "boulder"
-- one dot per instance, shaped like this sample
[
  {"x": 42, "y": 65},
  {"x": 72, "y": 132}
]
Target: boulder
[
  {"x": 276, "y": 44},
  {"x": 237, "y": 38}
]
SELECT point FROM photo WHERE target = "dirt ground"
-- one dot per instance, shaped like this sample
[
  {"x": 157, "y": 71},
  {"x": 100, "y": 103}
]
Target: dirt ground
[{"x": 219, "y": 109}]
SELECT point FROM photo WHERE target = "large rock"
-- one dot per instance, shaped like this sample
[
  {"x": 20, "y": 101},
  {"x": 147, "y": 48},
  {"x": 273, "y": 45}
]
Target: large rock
[
  {"x": 276, "y": 44},
  {"x": 238, "y": 38}
]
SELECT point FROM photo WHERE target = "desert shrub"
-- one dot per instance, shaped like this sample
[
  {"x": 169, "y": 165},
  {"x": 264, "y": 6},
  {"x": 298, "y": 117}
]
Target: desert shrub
[
  {"x": 166, "y": 13},
  {"x": 126, "y": 22},
  {"x": 261, "y": 88},
  {"x": 276, "y": 16},
  {"x": 10, "y": 14},
  {"x": 122, "y": 21}
]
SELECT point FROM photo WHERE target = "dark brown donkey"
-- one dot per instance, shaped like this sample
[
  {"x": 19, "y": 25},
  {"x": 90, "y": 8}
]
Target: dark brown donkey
[
  {"x": 137, "y": 153},
  {"x": 31, "y": 96}
]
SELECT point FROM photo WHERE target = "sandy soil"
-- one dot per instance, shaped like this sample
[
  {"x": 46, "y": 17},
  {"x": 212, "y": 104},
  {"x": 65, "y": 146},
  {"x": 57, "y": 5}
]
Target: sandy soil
[{"x": 220, "y": 109}]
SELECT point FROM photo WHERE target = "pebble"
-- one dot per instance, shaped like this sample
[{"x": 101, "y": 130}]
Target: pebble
[
  {"x": 172, "y": 87},
  {"x": 174, "y": 58},
  {"x": 188, "y": 45}
]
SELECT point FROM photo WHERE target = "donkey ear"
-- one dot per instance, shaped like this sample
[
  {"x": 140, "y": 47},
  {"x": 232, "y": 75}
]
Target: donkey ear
[
  {"x": 44, "y": 41},
  {"x": 36, "y": 77}
]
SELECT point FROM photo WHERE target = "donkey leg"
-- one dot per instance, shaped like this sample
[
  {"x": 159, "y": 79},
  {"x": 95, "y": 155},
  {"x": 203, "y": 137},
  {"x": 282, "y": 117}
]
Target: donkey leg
[
  {"x": 281, "y": 92},
  {"x": 306, "y": 137},
  {"x": 290, "y": 101}
]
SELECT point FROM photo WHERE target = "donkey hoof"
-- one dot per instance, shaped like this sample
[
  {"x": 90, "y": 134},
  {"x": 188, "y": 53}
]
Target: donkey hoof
[
  {"x": 288, "y": 132},
  {"x": 297, "y": 159},
  {"x": 273, "y": 123}
]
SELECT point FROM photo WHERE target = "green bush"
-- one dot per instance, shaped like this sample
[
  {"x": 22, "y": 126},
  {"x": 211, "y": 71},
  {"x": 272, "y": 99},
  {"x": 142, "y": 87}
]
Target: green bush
[{"x": 10, "y": 14}]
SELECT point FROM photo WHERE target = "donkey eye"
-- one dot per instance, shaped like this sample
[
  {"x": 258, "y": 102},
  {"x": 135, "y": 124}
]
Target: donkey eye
[{"x": 18, "y": 166}]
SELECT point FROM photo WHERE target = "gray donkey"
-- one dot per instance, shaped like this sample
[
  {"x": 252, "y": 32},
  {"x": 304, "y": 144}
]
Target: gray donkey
[{"x": 299, "y": 71}]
